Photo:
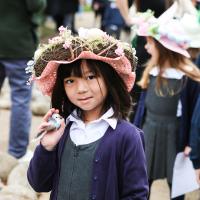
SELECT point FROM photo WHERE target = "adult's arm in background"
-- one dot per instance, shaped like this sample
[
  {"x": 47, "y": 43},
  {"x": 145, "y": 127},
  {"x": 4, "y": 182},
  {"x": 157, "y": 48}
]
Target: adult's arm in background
[{"x": 124, "y": 10}]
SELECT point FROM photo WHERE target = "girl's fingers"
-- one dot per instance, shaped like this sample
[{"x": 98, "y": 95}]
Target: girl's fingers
[
  {"x": 187, "y": 150},
  {"x": 48, "y": 114},
  {"x": 56, "y": 111},
  {"x": 62, "y": 122},
  {"x": 43, "y": 125}
]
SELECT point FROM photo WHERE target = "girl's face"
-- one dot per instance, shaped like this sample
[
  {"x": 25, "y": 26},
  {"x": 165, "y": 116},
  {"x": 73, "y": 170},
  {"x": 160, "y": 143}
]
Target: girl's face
[
  {"x": 88, "y": 92},
  {"x": 150, "y": 46}
]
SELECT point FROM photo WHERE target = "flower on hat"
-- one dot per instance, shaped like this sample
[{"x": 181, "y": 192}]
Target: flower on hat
[
  {"x": 191, "y": 26},
  {"x": 93, "y": 34},
  {"x": 174, "y": 32},
  {"x": 142, "y": 17},
  {"x": 119, "y": 51},
  {"x": 67, "y": 44},
  {"x": 30, "y": 67},
  {"x": 61, "y": 29},
  {"x": 154, "y": 31},
  {"x": 146, "y": 24},
  {"x": 64, "y": 32}
]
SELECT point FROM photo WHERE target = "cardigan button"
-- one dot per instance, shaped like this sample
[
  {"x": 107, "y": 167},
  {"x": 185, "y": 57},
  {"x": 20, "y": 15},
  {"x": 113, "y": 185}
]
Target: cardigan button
[
  {"x": 93, "y": 197},
  {"x": 96, "y": 160},
  {"x": 95, "y": 178}
]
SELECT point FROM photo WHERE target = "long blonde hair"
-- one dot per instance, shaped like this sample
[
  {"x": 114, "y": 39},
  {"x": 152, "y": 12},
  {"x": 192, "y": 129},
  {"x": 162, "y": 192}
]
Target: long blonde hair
[{"x": 175, "y": 60}]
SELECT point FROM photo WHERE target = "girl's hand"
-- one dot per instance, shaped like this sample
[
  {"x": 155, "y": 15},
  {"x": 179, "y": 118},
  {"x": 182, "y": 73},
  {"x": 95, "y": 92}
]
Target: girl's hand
[
  {"x": 129, "y": 21},
  {"x": 187, "y": 151},
  {"x": 197, "y": 171},
  {"x": 51, "y": 138}
]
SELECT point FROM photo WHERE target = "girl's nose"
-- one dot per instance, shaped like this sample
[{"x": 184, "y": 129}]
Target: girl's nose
[{"x": 82, "y": 86}]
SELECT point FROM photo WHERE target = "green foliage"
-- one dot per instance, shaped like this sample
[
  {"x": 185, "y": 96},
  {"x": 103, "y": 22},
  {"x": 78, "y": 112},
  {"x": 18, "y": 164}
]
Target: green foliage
[{"x": 87, "y": 8}]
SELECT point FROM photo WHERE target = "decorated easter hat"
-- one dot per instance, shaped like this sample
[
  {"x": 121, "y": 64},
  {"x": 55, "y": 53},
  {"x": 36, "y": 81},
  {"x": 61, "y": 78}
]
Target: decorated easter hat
[
  {"x": 89, "y": 44},
  {"x": 165, "y": 29},
  {"x": 191, "y": 25},
  {"x": 188, "y": 17}
]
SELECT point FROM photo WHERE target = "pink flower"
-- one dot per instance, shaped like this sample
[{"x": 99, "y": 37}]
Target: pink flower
[
  {"x": 61, "y": 29},
  {"x": 143, "y": 29},
  {"x": 106, "y": 36},
  {"x": 66, "y": 45},
  {"x": 119, "y": 51},
  {"x": 50, "y": 41}
]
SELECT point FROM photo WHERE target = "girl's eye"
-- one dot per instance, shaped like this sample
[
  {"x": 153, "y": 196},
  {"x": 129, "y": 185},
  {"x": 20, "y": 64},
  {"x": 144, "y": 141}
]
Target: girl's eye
[
  {"x": 69, "y": 81},
  {"x": 90, "y": 77}
]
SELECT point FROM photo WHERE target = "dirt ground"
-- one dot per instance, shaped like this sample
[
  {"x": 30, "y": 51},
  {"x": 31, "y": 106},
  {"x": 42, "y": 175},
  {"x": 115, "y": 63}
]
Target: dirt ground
[{"x": 159, "y": 189}]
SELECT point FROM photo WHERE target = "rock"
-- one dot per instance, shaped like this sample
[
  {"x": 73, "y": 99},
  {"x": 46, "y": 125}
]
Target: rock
[
  {"x": 193, "y": 195},
  {"x": 7, "y": 163},
  {"x": 40, "y": 103},
  {"x": 17, "y": 192},
  {"x": 18, "y": 176},
  {"x": 159, "y": 189},
  {"x": 17, "y": 187},
  {"x": 39, "y": 108},
  {"x": 44, "y": 196}
]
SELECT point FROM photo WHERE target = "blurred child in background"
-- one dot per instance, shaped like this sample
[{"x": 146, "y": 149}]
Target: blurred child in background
[{"x": 164, "y": 79}]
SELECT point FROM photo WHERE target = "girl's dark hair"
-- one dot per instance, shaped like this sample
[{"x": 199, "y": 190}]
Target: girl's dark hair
[{"x": 118, "y": 97}]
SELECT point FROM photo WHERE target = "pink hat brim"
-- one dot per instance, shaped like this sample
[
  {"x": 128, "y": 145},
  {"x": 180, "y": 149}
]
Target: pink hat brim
[
  {"x": 171, "y": 45},
  {"x": 121, "y": 64}
]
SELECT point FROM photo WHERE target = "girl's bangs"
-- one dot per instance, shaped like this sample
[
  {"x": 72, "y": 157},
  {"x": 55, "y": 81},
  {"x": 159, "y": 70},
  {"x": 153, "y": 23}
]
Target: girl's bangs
[{"x": 75, "y": 69}]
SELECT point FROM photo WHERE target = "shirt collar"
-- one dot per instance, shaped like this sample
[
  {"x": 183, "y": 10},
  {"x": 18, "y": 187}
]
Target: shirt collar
[
  {"x": 105, "y": 117},
  {"x": 110, "y": 120},
  {"x": 170, "y": 73}
]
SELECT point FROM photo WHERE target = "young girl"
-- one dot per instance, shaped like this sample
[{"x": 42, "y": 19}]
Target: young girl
[
  {"x": 96, "y": 153},
  {"x": 164, "y": 80}
]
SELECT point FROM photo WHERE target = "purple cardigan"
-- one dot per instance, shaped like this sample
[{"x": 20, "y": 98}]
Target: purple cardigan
[{"x": 119, "y": 166}]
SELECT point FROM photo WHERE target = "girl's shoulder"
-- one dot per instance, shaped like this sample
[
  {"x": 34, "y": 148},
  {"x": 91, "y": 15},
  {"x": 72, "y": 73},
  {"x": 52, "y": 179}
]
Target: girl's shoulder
[
  {"x": 128, "y": 130},
  {"x": 126, "y": 125}
]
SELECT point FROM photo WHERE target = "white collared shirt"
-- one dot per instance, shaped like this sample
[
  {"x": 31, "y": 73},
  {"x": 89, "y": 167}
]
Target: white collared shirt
[
  {"x": 170, "y": 73},
  {"x": 81, "y": 133}
]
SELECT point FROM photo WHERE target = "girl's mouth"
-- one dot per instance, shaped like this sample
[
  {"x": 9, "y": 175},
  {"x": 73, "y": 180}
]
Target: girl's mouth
[{"x": 85, "y": 99}]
